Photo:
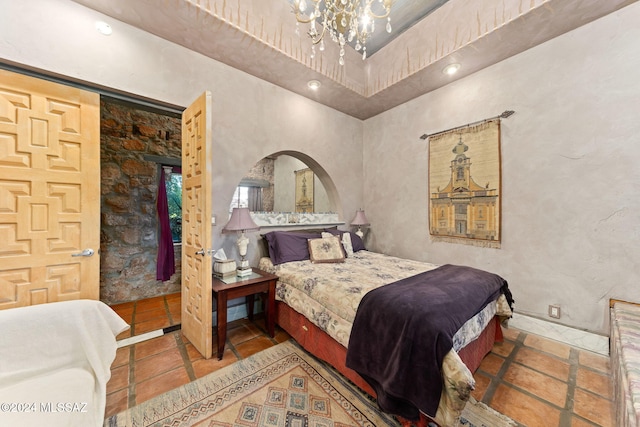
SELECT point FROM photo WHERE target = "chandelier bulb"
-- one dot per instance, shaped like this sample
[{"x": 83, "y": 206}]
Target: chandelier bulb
[
  {"x": 341, "y": 60},
  {"x": 364, "y": 53},
  {"x": 322, "y": 45},
  {"x": 302, "y": 5},
  {"x": 358, "y": 46},
  {"x": 389, "y": 24}
]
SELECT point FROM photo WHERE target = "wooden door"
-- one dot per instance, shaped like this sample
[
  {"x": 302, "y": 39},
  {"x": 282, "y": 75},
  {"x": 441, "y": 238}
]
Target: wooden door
[
  {"x": 49, "y": 192},
  {"x": 196, "y": 225}
]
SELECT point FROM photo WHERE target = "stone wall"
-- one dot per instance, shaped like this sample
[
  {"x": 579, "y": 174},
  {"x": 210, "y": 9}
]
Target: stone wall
[
  {"x": 129, "y": 184},
  {"x": 263, "y": 170}
]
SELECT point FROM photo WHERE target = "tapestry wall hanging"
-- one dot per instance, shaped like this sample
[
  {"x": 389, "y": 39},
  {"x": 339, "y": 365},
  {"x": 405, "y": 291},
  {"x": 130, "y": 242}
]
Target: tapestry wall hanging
[
  {"x": 465, "y": 185},
  {"x": 304, "y": 190}
]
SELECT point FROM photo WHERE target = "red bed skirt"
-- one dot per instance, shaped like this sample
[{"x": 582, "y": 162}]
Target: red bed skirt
[{"x": 321, "y": 345}]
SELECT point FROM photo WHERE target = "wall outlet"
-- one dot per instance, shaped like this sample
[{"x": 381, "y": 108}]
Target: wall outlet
[{"x": 554, "y": 311}]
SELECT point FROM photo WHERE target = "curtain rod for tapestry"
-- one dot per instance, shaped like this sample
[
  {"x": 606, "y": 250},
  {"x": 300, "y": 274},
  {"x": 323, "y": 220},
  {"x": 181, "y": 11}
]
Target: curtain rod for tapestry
[{"x": 504, "y": 115}]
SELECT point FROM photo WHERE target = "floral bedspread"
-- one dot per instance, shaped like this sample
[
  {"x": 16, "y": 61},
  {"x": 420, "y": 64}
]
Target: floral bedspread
[{"x": 329, "y": 294}]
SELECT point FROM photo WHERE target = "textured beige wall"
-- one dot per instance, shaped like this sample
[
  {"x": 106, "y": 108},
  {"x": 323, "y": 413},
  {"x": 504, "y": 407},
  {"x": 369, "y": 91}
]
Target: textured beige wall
[
  {"x": 570, "y": 171},
  {"x": 252, "y": 118}
]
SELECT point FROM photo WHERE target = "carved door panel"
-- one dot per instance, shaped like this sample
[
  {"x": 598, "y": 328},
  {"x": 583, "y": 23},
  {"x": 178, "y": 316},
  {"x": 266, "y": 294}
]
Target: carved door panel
[
  {"x": 49, "y": 192},
  {"x": 196, "y": 225}
]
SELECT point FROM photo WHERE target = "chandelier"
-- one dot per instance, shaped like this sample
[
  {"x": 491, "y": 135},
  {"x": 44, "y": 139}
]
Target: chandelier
[{"x": 343, "y": 20}]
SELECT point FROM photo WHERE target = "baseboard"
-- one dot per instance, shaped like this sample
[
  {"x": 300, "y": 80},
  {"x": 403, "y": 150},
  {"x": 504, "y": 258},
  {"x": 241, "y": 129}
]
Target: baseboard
[{"x": 565, "y": 334}]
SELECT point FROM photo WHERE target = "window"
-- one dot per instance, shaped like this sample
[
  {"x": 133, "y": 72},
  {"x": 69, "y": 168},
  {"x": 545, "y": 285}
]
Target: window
[
  {"x": 240, "y": 198},
  {"x": 247, "y": 196},
  {"x": 174, "y": 202}
]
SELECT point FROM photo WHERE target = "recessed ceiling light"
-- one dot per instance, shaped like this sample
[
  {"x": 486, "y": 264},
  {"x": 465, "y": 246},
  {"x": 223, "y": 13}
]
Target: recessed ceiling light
[
  {"x": 103, "y": 28},
  {"x": 451, "y": 69},
  {"x": 314, "y": 84}
]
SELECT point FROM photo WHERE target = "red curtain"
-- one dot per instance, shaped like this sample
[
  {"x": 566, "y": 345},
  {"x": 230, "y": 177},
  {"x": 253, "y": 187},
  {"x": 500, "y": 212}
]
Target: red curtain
[{"x": 166, "y": 265}]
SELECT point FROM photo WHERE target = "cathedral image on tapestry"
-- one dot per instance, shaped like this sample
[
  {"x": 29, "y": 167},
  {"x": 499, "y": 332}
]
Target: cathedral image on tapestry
[
  {"x": 304, "y": 190},
  {"x": 464, "y": 183}
]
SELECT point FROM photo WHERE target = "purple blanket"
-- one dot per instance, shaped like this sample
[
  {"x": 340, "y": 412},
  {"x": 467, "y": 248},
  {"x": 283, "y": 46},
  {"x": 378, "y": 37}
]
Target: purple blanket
[{"x": 403, "y": 330}]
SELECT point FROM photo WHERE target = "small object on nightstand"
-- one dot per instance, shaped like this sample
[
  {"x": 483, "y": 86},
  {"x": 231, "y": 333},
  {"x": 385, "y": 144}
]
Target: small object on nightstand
[{"x": 224, "y": 268}]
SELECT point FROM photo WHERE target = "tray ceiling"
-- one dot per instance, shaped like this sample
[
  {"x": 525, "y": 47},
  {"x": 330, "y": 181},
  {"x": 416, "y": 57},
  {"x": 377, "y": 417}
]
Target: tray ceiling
[{"x": 258, "y": 37}]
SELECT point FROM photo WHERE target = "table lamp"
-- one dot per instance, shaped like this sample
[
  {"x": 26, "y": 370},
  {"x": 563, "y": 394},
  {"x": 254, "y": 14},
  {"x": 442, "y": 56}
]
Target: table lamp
[
  {"x": 360, "y": 220},
  {"x": 241, "y": 221}
]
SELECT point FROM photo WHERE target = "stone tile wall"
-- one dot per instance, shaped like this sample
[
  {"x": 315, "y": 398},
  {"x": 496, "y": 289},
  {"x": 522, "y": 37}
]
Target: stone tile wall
[
  {"x": 264, "y": 170},
  {"x": 129, "y": 183}
]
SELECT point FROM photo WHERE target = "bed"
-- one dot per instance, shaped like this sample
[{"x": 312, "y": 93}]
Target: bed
[{"x": 320, "y": 289}]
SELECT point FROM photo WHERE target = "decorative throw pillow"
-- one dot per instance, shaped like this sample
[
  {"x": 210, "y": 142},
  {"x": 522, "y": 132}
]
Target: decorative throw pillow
[
  {"x": 345, "y": 240},
  {"x": 327, "y": 249},
  {"x": 288, "y": 246}
]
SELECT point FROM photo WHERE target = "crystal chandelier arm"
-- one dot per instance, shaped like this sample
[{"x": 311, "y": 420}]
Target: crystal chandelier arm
[
  {"x": 319, "y": 36},
  {"x": 387, "y": 7},
  {"x": 373, "y": 15},
  {"x": 302, "y": 20},
  {"x": 300, "y": 15}
]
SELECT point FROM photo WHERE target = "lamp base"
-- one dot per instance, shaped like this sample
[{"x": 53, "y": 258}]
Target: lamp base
[{"x": 243, "y": 271}]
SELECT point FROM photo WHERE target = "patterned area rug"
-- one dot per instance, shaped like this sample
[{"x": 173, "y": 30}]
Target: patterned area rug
[{"x": 280, "y": 386}]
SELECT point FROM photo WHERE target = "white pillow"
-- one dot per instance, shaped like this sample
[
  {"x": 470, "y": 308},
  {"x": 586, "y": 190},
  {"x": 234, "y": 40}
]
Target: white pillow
[{"x": 346, "y": 243}]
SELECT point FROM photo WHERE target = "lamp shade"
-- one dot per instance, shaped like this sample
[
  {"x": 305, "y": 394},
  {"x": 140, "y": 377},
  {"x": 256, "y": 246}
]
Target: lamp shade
[
  {"x": 360, "y": 218},
  {"x": 240, "y": 221}
]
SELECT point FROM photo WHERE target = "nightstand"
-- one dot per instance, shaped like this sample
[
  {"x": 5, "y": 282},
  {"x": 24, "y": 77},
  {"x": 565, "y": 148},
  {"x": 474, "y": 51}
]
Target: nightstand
[{"x": 235, "y": 287}]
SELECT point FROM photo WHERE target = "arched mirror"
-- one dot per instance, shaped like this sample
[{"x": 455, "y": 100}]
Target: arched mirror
[{"x": 282, "y": 189}]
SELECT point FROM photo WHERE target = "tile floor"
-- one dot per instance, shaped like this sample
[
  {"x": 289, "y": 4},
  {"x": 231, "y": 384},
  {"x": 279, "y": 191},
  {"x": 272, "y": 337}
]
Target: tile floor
[{"x": 533, "y": 380}]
